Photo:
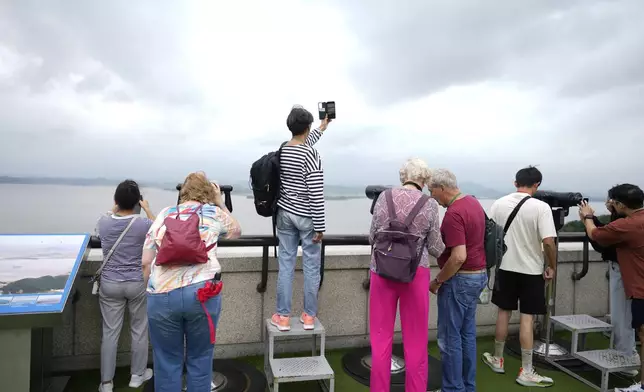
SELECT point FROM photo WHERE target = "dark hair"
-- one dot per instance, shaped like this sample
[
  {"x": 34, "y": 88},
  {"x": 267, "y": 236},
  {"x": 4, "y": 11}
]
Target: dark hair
[
  {"x": 299, "y": 120},
  {"x": 127, "y": 195},
  {"x": 528, "y": 177},
  {"x": 628, "y": 194}
]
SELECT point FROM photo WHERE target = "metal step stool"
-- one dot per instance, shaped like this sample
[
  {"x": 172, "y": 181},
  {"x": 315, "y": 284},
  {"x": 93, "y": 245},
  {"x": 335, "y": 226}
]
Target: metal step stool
[
  {"x": 281, "y": 370},
  {"x": 607, "y": 361}
]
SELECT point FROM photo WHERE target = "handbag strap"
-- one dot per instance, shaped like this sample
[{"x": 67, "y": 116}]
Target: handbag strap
[
  {"x": 514, "y": 214},
  {"x": 118, "y": 240}
]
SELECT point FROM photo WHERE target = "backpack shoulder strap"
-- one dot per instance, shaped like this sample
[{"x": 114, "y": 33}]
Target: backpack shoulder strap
[
  {"x": 419, "y": 204},
  {"x": 118, "y": 241},
  {"x": 514, "y": 214},
  {"x": 391, "y": 208}
]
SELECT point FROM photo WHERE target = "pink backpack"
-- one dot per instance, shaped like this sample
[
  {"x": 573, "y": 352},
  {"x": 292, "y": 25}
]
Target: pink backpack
[{"x": 182, "y": 243}]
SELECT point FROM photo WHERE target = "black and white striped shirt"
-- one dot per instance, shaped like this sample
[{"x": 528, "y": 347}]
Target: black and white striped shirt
[{"x": 302, "y": 178}]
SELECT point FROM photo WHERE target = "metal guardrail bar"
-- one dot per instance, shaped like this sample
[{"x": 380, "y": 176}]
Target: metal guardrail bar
[{"x": 266, "y": 241}]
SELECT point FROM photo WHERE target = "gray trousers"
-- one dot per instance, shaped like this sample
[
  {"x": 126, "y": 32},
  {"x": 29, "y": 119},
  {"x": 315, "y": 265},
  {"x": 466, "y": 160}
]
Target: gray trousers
[
  {"x": 620, "y": 312},
  {"x": 113, "y": 297}
]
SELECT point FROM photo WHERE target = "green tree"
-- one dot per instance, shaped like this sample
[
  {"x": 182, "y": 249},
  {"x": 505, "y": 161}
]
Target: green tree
[{"x": 578, "y": 226}]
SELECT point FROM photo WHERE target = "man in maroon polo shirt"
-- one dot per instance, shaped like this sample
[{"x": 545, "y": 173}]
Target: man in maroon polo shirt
[
  {"x": 460, "y": 281},
  {"x": 627, "y": 235}
]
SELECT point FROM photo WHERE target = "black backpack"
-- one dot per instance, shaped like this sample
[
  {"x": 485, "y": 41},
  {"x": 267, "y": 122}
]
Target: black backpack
[{"x": 265, "y": 183}]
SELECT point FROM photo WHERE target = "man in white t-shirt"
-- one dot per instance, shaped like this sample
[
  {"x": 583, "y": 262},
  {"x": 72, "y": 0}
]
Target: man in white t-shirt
[{"x": 521, "y": 276}]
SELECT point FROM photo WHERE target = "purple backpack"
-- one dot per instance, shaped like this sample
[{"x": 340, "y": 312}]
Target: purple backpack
[{"x": 395, "y": 249}]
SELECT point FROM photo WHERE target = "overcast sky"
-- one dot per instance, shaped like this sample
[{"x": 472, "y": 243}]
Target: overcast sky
[{"x": 154, "y": 89}]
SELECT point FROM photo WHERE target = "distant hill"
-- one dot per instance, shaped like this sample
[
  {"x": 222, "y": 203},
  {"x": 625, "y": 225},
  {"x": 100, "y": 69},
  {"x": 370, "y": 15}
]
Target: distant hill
[
  {"x": 332, "y": 191},
  {"x": 99, "y": 181},
  {"x": 36, "y": 285}
]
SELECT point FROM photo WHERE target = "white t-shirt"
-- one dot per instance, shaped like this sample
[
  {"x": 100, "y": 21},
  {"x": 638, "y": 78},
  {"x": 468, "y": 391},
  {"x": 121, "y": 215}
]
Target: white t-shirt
[{"x": 524, "y": 238}]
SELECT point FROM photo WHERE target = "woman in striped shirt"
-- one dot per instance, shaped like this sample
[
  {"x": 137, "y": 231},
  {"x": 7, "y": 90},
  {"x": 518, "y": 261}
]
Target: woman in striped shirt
[{"x": 300, "y": 216}]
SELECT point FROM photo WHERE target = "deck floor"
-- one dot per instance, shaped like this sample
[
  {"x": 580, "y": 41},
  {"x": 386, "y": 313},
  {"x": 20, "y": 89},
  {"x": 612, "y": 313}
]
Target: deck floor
[{"x": 487, "y": 381}]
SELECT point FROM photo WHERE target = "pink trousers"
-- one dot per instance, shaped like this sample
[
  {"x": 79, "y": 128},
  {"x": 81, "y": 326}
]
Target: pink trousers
[{"x": 414, "y": 316}]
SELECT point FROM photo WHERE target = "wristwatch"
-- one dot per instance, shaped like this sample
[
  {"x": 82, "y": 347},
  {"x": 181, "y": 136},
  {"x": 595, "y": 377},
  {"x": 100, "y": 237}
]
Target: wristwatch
[{"x": 589, "y": 216}]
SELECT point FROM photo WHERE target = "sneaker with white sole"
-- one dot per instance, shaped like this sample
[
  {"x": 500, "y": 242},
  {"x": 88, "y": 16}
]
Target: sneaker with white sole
[
  {"x": 633, "y": 388},
  {"x": 136, "y": 380},
  {"x": 629, "y": 373},
  {"x": 494, "y": 363},
  {"x": 530, "y": 378},
  {"x": 106, "y": 387},
  {"x": 308, "y": 322},
  {"x": 282, "y": 323}
]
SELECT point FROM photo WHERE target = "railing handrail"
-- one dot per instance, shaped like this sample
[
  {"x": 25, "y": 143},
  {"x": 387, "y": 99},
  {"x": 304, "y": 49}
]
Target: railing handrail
[{"x": 266, "y": 241}]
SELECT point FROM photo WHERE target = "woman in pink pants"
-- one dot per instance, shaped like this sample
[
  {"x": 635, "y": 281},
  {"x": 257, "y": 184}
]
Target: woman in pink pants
[{"x": 385, "y": 292}]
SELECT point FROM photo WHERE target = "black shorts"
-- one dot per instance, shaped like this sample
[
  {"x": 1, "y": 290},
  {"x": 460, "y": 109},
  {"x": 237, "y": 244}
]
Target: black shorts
[
  {"x": 528, "y": 290},
  {"x": 637, "y": 311}
]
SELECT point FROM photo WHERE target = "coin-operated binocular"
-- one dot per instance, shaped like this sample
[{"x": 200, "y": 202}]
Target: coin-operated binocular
[
  {"x": 225, "y": 189},
  {"x": 372, "y": 192},
  {"x": 560, "y": 203}
]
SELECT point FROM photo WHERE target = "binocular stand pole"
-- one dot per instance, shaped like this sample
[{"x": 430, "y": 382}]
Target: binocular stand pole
[{"x": 545, "y": 334}]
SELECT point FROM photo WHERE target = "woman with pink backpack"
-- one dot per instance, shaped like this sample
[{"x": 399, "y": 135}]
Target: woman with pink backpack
[
  {"x": 184, "y": 284},
  {"x": 405, "y": 232}
]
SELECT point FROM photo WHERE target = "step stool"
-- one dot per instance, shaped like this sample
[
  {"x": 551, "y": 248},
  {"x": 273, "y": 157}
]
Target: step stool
[
  {"x": 282, "y": 370},
  {"x": 607, "y": 361}
]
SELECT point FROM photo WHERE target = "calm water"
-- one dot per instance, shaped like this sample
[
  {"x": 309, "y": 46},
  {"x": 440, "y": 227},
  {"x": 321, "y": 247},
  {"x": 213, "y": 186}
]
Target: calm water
[{"x": 74, "y": 209}]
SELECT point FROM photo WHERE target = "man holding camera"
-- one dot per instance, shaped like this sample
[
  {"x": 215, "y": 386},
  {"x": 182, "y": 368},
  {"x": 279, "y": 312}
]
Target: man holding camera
[
  {"x": 627, "y": 235},
  {"x": 620, "y": 305},
  {"x": 521, "y": 276}
]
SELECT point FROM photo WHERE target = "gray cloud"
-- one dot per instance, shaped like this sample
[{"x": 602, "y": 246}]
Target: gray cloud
[
  {"x": 584, "y": 60},
  {"x": 574, "y": 46},
  {"x": 138, "y": 41}
]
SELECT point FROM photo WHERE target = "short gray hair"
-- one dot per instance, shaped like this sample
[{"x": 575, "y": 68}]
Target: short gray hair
[
  {"x": 415, "y": 169},
  {"x": 443, "y": 178}
]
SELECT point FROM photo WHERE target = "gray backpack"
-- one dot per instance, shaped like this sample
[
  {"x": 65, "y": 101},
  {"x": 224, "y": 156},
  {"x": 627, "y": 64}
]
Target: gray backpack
[{"x": 395, "y": 249}]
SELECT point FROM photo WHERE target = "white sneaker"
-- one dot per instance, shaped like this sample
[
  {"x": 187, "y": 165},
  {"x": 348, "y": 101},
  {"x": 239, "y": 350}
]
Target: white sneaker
[
  {"x": 633, "y": 388},
  {"x": 629, "y": 373},
  {"x": 495, "y": 363},
  {"x": 136, "y": 380},
  {"x": 530, "y": 378},
  {"x": 106, "y": 387}
]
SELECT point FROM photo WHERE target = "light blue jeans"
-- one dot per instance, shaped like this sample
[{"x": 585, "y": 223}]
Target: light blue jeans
[
  {"x": 620, "y": 312},
  {"x": 457, "y": 300},
  {"x": 173, "y": 317},
  {"x": 291, "y": 229}
]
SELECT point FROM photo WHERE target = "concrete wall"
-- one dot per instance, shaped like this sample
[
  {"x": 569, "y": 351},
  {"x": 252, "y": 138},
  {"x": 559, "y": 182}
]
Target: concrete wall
[{"x": 343, "y": 305}]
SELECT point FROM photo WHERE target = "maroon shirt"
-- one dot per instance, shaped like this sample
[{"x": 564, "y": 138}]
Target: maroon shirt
[
  {"x": 627, "y": 235},
  {"x": 464, "y": 224}
]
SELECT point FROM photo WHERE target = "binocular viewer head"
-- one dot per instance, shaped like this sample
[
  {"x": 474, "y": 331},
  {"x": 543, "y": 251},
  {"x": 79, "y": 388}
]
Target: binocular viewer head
[
  {"x": 563, "y": 200},
  {"x": 372, "y": 192},
  {"x": 226, "y": 189}
]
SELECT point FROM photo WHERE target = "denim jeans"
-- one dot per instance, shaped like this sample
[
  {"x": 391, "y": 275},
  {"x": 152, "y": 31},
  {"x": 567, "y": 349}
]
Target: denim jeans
[
  {"x": 620, "y": 312},
  {"x": 291, "y": 229},
  {"x": 173, "y": 317},
  {"x": 457, "y": 300}
]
